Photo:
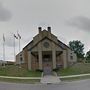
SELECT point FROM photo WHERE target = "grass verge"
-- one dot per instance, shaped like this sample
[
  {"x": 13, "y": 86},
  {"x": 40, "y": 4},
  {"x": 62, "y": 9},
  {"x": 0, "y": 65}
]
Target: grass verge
[
  {"x": 26, "y": 81},
  {"x": 75, "y": 78}
]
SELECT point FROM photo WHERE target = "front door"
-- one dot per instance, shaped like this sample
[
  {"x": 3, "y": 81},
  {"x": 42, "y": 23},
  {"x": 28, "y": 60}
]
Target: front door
[
  {"x": 47, "y": 70},
  {"x": 47, "y": 65}
]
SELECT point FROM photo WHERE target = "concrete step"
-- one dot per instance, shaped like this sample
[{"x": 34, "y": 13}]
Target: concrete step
[{"x": 49, "y": 79}]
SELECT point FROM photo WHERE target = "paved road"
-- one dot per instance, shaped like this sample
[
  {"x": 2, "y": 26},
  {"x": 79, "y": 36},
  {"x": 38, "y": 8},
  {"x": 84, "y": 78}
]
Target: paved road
[{"x": 76, "y": 85}]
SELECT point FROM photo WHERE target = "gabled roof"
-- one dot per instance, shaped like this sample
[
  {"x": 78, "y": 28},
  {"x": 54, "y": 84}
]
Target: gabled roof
[
  {"x": 28, "y": 44},
  {"x": 60, "y": 44},
  {"x": 64, "y": 44},
  {"x": 44, "y": 39}
]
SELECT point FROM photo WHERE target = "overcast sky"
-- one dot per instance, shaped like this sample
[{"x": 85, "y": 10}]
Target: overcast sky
[{"x": 69, "y": 19}]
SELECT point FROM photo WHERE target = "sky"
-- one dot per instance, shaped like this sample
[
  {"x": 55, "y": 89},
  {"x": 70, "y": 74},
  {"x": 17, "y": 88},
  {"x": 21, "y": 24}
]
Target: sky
[{"x": 69, "y": 20}]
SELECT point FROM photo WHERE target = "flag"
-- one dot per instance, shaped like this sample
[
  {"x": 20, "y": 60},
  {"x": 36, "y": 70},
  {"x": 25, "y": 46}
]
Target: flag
[
  {"x": 15, "y": 36},
  {"x": 19, "y": 35},
  {"x": 3, "y": 38}
]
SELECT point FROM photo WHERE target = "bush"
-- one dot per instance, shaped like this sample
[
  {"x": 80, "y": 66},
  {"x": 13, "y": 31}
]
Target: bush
[
  {"x": 39, "y": 70},
  {"x": 56, "y": 69}
]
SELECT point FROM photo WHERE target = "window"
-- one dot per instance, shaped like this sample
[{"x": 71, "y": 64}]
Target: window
[
  {"x": 37, "y": 60},
  {"x": 46, "y": 44},
  {"x": 21, "y": 60},
  {"x": 71, "y": 57}
]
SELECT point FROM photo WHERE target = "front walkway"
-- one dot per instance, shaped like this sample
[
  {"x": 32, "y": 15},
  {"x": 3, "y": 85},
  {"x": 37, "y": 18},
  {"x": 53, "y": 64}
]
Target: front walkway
[{"x": 50, "y": 79}]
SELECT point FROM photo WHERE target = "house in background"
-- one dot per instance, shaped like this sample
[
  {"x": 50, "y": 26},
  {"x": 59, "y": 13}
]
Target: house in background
[
  {"x": 45, "y": 50},
  {"x": 10, "y": 62}
]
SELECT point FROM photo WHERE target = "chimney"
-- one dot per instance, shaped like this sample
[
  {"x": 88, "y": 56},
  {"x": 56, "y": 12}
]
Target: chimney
[
  {"x": 49, "y": 29},
  {"x": 39, "y": 29}
]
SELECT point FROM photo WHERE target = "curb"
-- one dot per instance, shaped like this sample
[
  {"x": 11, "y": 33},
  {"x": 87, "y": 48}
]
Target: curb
[
  {"x": 20, "y": 77},
  {"x": 70, "y": 76}
]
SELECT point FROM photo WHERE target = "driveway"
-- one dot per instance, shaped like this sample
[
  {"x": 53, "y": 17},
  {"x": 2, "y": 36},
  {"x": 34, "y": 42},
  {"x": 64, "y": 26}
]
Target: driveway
[{"x": 75, "y": 85}]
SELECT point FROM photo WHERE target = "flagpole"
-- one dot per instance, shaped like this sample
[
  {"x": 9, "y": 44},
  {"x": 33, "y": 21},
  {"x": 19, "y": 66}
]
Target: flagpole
[
  {"x": 3, "y": 50},
  {"x": 19, "y": 37},
  {"x": 14, "y": 48},
  {"x": 19, "y": 44},
  {"x": 19, "y": 52},
  {"x": 14, "y": 37}
]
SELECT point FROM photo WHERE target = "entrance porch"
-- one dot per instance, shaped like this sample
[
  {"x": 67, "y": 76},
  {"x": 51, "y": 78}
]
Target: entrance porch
[{"x": 46, "y": 60}]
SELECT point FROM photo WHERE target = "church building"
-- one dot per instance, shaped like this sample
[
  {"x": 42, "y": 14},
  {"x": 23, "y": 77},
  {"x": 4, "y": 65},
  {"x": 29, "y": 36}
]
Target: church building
[{"x": 46, "y": 50}]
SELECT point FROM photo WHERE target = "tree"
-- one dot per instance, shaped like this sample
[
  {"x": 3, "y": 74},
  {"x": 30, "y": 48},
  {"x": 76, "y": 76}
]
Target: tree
[
  {"x": 78, "y": 48},
  {"x": 88, "y": 56}
]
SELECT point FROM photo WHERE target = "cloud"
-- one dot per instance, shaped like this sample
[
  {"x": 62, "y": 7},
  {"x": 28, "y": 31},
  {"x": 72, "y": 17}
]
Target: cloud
[
  {"x": 80, "y": 22},
  {"x": 43, "y": 24},
  {"x": 5, "y": 14}
]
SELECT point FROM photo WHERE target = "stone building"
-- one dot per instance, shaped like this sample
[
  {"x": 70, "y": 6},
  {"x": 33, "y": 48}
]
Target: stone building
[{"x": 45, "y": 50}]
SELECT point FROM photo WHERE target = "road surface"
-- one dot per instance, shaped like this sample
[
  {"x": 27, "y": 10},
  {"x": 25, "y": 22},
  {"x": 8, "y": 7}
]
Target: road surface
[{"x": 75, "y": 85}]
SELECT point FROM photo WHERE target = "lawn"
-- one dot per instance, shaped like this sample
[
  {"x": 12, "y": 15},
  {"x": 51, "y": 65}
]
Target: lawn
[
  {"x": 79, "y": 68},
  {"x": 13, "y": 70}
]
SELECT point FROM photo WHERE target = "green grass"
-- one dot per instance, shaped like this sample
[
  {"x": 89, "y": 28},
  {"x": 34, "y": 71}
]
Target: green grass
[
  {"x": 13, "y": 70},
  {"x": 75, "y": 78},
  {"x": 79, "y": 68},
  {"x": 26, "y": 81}
]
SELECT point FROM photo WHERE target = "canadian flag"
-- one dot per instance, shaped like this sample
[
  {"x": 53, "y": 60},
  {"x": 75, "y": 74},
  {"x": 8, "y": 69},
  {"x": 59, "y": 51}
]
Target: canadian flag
[{"x": 15, "y": 36}]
